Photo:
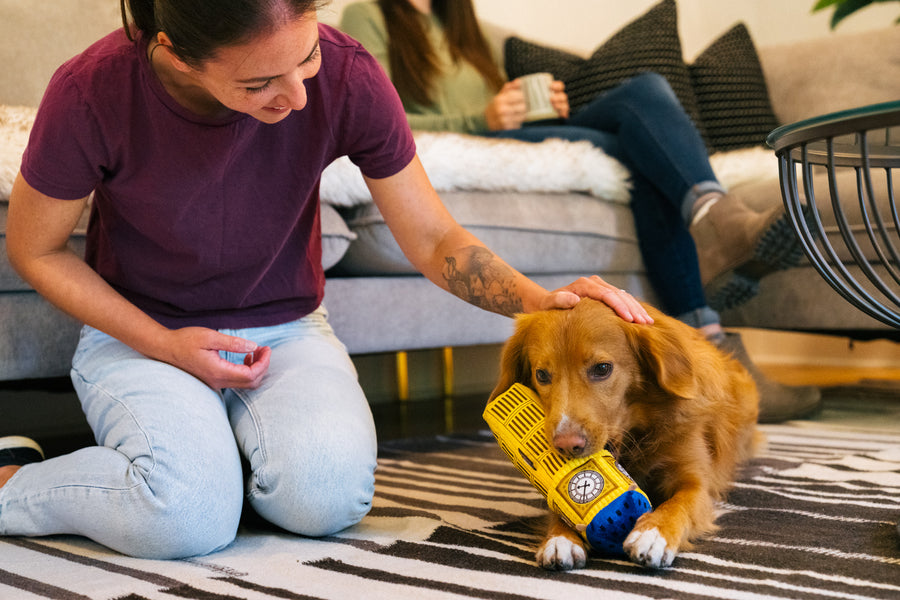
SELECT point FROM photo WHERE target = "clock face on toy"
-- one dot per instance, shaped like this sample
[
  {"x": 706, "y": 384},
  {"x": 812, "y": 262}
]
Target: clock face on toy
[{"x": 585, "y": 486}]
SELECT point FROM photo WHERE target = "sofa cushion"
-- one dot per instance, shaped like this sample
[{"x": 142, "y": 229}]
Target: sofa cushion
[
  {"x": 386, "y": 314},
  {"x": 336, "y": 236},
  {"x": 535, "y": 233},
  {"x": 36, "y": 339},
  {"x": 649, "y": 43},
  {"x": 800, "y": 299},
  {"x": 731, "y": 92}
]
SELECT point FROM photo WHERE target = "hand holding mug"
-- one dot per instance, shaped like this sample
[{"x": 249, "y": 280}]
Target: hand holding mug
[
  {"x": 559, "y": 99},
  {"x": 507, "y": 109},
  {"x": 542, "y": 97}
]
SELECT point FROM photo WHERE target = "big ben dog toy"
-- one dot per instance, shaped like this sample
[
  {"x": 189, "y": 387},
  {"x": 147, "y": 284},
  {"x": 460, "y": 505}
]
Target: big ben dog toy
[{"x": 593, "y": 494}]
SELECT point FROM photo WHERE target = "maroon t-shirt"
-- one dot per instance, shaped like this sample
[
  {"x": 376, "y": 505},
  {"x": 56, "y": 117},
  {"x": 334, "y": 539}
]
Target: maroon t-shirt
[{"x": 211, "y": 222}]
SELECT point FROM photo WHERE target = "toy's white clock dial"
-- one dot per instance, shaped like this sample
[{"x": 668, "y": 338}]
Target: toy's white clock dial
[{"x": 585, "y": 486}]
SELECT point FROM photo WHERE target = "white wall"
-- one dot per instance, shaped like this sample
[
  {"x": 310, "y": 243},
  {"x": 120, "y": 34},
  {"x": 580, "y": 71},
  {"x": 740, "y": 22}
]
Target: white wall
[{"x": 582, "y": 25}]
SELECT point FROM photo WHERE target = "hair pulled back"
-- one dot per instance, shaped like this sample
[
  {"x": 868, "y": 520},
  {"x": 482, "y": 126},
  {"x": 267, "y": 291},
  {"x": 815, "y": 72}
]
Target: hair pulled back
[{"x": 198, "y": 28}]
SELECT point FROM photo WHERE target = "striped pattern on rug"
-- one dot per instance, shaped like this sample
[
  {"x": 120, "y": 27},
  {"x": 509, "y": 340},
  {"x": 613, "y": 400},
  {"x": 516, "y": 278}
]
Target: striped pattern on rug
[{"x": 813, "y": 517}]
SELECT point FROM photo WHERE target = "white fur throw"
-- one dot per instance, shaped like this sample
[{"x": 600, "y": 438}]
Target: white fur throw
[
  {"x": 748, "y": 165},
  {"x": 456, "y": 162},
  {"x": 15, "y": 124}
]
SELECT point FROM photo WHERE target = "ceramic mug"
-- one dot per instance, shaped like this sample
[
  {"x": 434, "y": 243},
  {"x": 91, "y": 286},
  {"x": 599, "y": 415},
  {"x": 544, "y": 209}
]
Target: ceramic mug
[{"x": 536, "y": 87}]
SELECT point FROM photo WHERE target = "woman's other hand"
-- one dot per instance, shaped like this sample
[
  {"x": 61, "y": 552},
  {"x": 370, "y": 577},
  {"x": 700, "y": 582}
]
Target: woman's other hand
[
  {"x": 196, "y": 350},
  {"x": 507, "y": 109}
]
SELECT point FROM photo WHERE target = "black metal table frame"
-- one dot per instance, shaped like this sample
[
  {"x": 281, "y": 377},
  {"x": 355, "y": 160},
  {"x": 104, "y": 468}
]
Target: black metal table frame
[{"x": 803, "y": 145}]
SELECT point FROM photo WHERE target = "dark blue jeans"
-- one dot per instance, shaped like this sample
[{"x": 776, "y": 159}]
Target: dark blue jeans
[{"x": 642, "y": 124}]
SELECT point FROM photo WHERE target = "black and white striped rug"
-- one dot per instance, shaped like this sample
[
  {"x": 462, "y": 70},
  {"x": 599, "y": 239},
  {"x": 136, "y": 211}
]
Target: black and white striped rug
[{"x": 813, "y": 517}]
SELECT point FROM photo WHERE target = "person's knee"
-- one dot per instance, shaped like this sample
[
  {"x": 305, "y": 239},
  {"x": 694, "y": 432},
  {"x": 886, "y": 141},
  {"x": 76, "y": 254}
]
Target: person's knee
[
  {"x": 650, "y": 80},
  {"x": 649, "y": 86},
  {"x": 199, "y": 525},
  {"x": 165, "y": 536},
  {"x": 177, "y": 516},
  {"x": 315, "y": 499}
]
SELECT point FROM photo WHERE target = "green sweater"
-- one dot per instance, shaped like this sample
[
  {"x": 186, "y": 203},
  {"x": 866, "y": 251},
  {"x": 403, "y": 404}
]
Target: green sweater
[{"x": 461, "y": 94}]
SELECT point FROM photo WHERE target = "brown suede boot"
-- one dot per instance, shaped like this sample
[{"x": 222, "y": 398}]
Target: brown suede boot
[
  {"x": 737, "y": 246},
  {"x": 777, "y": 402}
]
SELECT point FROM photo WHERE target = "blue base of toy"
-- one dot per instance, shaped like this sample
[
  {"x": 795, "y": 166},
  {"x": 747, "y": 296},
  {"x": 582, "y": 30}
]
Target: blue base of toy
[{"x": 609, "y": 528}]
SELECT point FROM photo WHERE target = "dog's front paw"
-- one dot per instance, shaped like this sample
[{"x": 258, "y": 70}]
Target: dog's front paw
[
  {"x": 559, "y": 553},
  {"x": 648, "y": 547}
]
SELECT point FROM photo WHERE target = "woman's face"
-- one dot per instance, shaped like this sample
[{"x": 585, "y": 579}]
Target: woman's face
[{"x": 264, "y": 77}]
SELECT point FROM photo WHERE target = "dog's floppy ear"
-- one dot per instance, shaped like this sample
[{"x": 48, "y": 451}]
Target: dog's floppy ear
[
  {"x": 514, "y": 364},
  {"x": 664, "y": 356}
]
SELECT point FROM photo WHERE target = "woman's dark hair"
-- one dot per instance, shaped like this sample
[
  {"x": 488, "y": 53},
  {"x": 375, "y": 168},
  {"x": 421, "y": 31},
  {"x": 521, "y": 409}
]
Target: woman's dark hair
[
  {"x": 198, "y": 28},
  {"x": 414, "y": 65}
]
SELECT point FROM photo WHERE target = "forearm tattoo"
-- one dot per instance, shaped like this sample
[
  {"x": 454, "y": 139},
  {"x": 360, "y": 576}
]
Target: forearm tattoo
[{"x": 480, "y": 278}]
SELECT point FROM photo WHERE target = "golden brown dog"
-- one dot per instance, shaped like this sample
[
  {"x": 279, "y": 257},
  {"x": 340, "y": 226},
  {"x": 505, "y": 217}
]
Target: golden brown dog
[{"x": 676, "y": 412}]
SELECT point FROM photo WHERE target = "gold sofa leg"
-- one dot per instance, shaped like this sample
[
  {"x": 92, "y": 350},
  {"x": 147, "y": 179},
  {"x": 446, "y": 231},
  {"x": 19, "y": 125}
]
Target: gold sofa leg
[
  {"x": 448, "y": 371},
  {"x": 402, "y": 365},
  {"x": 401, "y": 362},
  {"x": 448, "y": 389}
]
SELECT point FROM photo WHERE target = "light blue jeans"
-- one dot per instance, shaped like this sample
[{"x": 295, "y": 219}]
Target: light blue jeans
[{"x": 166, "y": 479}]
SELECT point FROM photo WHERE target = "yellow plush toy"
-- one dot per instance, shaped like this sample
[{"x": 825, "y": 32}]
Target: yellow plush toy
[{"x": 593, "y": 494}]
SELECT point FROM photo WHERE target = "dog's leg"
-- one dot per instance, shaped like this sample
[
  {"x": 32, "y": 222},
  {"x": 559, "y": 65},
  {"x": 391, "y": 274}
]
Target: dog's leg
[
  {"x": 562, "y": 548},
  {"x": 658, "y": 536}
]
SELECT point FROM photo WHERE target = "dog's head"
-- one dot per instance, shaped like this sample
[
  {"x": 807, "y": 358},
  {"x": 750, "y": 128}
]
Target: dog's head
[{"x": 598, "y": 377}]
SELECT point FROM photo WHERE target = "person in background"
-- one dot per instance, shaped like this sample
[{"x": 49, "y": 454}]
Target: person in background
[
  {"x": 202, "y": 130},
  {"x": 691, "y": 231}
]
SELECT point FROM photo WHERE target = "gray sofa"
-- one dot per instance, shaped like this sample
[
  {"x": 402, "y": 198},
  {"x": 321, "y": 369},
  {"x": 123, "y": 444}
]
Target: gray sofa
[{"x": 375, "y": 303}]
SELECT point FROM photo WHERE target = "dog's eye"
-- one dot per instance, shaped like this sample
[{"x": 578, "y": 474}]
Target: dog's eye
[
  {"x": 599, "y": 371},
  {"x": 542, "y": 376}
]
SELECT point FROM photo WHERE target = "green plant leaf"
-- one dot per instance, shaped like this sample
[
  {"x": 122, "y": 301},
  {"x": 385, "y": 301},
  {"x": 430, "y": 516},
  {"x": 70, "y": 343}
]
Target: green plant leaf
[
  {"x": 823, "y": 4},
  {"x": 843, "y": 8}
]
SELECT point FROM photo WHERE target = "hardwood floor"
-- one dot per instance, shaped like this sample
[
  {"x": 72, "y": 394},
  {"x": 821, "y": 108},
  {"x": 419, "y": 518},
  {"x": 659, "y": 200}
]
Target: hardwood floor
[{"x": 824, "y": 376}]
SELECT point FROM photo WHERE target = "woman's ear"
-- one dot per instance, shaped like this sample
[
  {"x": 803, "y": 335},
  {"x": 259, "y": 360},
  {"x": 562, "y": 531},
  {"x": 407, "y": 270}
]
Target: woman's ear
[
  {"x": 167, "y": 47},
  {"x": 514, "y": 364}
]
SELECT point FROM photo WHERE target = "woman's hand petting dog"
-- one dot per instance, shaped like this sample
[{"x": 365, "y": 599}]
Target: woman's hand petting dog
[
  {"x": 625, "y": 305},
  {"x": 676, "y": 412}
]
